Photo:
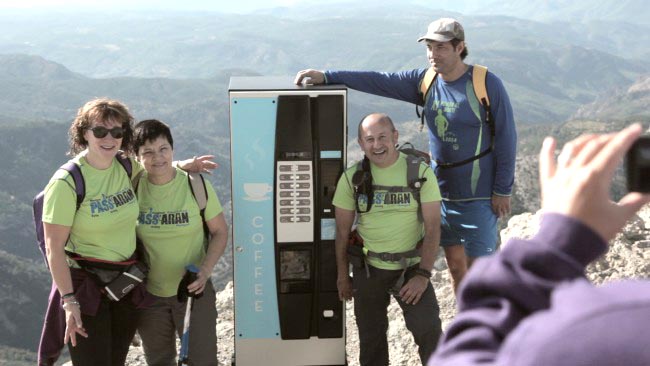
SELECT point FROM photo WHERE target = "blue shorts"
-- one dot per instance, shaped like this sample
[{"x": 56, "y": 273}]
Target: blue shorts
[{"x": 471, "y": 223}]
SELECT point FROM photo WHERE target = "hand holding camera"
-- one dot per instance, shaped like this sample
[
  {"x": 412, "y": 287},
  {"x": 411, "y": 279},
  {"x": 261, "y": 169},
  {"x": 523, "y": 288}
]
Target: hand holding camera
[
  {"x": 637, "y": 164},
  {"x": 578, "y": 183}
]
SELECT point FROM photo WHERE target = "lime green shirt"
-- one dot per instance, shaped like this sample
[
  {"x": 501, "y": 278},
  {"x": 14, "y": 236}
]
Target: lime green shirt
[
  {"x": 104, "y": 225},
  {"x": 171, "y": 229},
  {"x": 392, "y": 225}
]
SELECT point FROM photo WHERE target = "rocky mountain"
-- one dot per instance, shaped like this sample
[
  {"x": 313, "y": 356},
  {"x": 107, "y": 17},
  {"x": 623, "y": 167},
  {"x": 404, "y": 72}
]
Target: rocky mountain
[
  {"x": 23, "y": 299},
  {"x": 176, "y": 67},
  {"x": 17, "y": 356},
  {"x": 615, "y": 11},
  {"x": 548, "y": 73},
  {"x": 628, "y": 257},
  {"x": 526, "y": 187},
  {"x": 633, "y": 100}
]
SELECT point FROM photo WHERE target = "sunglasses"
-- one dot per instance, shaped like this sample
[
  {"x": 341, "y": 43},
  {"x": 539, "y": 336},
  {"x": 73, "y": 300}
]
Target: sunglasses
[{"x": 101, "y": 132}]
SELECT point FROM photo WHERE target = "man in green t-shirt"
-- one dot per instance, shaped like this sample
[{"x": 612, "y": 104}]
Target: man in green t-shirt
[{"x": 390, "y": 228}]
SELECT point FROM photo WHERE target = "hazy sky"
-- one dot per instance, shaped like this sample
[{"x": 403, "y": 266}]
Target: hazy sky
[{"x": 237, "y": 6}]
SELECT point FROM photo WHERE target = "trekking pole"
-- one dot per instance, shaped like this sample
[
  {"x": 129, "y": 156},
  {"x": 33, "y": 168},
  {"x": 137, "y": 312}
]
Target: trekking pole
[{"x": 189, "y": 277}]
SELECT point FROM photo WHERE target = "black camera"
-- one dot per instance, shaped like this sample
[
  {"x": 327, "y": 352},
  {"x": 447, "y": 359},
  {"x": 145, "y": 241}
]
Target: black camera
[
  {"x": 126, "y": 281},
  {"x": 637, "y": 166}
]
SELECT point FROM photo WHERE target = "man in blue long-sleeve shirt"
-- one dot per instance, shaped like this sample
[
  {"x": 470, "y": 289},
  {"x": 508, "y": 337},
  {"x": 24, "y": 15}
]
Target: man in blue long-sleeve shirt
[
  {"x": 477, "y": 192},
  {"x": 531, "y": 303}
]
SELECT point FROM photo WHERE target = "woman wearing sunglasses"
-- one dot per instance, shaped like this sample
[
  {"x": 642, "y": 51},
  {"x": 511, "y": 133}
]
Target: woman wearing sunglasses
[{"x": 98, "y": 330}]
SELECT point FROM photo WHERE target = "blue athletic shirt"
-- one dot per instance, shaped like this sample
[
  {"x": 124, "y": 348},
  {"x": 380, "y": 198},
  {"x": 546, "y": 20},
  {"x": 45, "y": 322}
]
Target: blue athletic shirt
[{"x": 457, "y": 130}]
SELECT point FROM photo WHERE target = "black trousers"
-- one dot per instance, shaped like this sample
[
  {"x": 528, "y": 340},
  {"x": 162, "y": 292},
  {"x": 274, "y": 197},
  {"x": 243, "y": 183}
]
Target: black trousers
[
  {"x": 110, "y": 333},
  {"x": 371, "y": 300}
]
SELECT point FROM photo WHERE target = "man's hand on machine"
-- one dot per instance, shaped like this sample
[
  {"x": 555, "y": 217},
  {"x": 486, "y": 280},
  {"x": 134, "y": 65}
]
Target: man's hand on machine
[{"x": 309, "y": 76}]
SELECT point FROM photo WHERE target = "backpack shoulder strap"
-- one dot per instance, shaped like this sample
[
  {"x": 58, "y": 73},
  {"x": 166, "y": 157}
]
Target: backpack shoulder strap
[
  {"x": 200, "y": 193},
  {"x": 479, "y": 77},
  {"x": 78, "y": 178},
  {"x": 125, "y": 162},
  {"x": 412, "y": 170},
  {"x": 362, "y": 183},
  {"x": 413, "y": 179},
  {"x": 135, "y": 182},
  {"x": 427, "y": 82},
  {"x": 479, "y": 80}
]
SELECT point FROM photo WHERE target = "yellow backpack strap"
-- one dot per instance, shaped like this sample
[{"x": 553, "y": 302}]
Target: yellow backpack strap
[
  {"x": 479, "y": 76},
  {"x": 479, "y": 79},
  {"x": 426, "y": 83}
]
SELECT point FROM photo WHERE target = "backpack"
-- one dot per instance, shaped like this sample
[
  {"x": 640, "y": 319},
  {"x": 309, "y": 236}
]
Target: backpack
[
  {"x": 479, "y": 80},
  {"x": 80, "y": 190},
  {"x": 362, "y": 178}
]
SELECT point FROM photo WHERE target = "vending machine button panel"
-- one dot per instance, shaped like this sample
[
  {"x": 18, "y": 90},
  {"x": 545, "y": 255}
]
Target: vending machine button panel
[{"x": 294, "y": 212}]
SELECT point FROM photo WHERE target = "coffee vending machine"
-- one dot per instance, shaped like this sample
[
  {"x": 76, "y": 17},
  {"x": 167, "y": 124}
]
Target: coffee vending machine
[{"x": 288, "y": 148}]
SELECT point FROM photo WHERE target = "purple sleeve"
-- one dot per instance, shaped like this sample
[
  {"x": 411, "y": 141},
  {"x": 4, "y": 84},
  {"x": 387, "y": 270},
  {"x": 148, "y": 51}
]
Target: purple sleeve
[
  {"x": 501, "y": 291},
  {"x": 403, "y": 85}
]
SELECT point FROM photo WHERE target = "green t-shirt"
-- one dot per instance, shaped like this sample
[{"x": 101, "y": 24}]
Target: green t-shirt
[
  {"x": 104, "y": 225},
  {"x": 171, "y": 229},
  {"x": 392, "y": 225}
]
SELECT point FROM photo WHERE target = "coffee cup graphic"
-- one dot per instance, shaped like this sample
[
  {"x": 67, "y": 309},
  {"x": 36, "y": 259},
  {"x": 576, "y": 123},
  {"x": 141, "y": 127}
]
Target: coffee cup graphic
[{"x": 257, "y": 191}]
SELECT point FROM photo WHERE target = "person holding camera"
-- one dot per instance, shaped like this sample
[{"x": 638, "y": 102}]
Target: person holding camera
[
  {"x": 91, "y": 245},
  {"x": 391, "y": 224},
  {"x": 172, "y": 227},
  {"x": 531, "y": 304}
]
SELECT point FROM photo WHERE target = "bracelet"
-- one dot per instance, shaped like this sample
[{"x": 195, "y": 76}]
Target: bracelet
[
  {"x": 70, "y": 303},
  {"x": 69, "y": 294},
  {"x": 423, "y": 272}
]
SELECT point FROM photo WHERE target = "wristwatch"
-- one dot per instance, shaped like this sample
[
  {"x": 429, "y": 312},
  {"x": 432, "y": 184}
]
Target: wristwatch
[{"x": 423, "y": 272}]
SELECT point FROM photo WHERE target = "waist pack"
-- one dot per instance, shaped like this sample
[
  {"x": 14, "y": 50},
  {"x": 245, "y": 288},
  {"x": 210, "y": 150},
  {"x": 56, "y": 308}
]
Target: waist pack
[
  {"x": 355, "y": 250},
  {"x": 357, "y": 256},
  {"x": 116, "y": 279}
]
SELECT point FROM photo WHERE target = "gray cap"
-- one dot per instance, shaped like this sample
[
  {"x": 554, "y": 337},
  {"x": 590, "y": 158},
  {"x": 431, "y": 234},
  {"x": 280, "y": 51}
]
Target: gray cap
[{"x": 444, "y": 30}]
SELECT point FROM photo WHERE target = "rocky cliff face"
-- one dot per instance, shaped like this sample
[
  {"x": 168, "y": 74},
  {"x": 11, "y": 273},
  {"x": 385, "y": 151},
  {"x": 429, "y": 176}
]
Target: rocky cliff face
[
  {"x": 633, "y": 101},
  {"x": 628, "y": 257}
]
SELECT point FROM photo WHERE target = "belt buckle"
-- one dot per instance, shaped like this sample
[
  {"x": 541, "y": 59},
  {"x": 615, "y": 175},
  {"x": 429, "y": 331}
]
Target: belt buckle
[{"x": 386, "y": 257}]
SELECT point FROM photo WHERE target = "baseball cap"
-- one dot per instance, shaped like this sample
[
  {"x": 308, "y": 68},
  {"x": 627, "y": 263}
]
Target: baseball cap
[{"x": 444, "y": 30}]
